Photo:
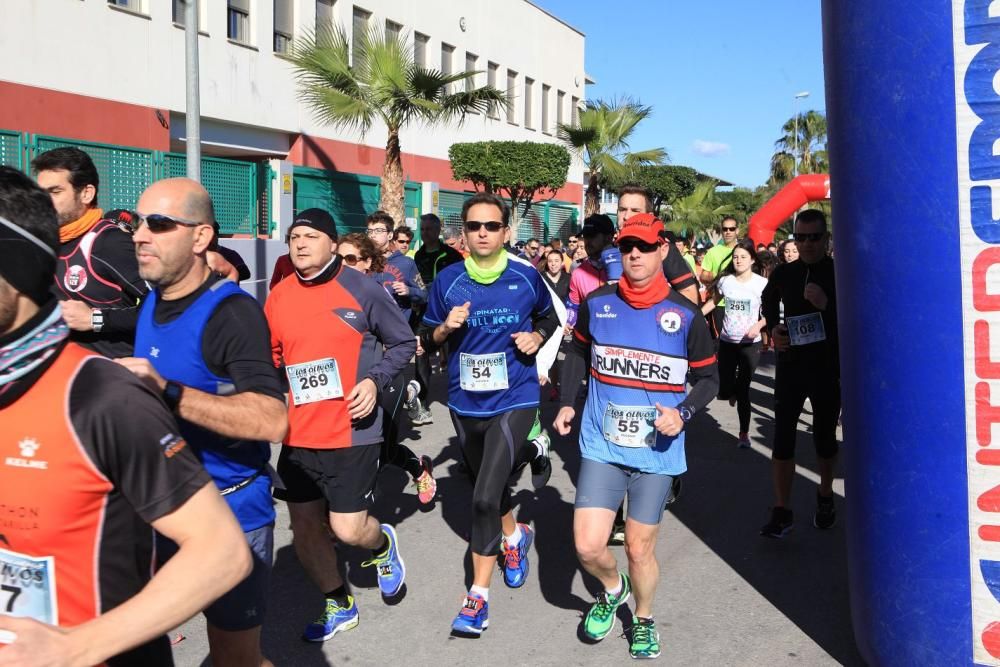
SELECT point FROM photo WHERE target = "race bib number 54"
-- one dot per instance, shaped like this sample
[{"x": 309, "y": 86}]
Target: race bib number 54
[
  {"x": 28, "y": 587},
  {"x": 483, "y": 372},
  {"x": 314, "y": 381}
]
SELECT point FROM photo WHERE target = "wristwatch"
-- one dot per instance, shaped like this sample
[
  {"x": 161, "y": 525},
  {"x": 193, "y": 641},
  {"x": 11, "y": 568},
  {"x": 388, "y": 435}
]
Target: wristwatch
[
  {"x": 172, "y": 394},
  {"x": 96, "y": 320},
  {"x": 685, "y": 413}
]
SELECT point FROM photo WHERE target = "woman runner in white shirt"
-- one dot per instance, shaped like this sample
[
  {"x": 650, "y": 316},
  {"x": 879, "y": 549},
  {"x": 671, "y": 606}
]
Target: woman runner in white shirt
[{"x": 740, "y": 339}]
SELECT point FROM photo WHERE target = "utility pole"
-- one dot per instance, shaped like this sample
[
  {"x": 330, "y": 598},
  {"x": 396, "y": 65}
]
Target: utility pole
[
  {"x": 192, "y": 109},
  {"x": 795, "y": 152}
]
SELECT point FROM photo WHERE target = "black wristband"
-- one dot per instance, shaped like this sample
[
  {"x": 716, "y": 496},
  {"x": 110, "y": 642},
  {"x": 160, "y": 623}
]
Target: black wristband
[{"x": 172, "y": 394}]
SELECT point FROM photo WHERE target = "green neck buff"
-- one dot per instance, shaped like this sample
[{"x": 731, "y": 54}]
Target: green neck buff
[{"x": 486, "y": 275}]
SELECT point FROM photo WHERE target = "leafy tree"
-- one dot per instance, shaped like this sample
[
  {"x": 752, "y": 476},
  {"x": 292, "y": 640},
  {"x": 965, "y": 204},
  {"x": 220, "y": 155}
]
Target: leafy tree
[
  {"x": 383, "y": 83},
  {"x": 809, "y": 149},
  {"x": 698, "y": 214},
  {"x": 666, "y": 182},
  {"x": 601, "y": 140},
  {"x": 518, "y": 170},
  {"x": 743, "y": 202}
]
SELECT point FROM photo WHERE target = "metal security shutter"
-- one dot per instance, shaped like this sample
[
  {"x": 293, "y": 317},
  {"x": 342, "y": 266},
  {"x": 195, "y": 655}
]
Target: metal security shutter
[
  {"x": 412, "y": 201},
  {"x": 349, "y": 198},
  {"x": 562, "y": 221},
  {"x": 124, "y": 172},
  {"x": 283, "y": 17},
  {"x": 450, "y": 207}
]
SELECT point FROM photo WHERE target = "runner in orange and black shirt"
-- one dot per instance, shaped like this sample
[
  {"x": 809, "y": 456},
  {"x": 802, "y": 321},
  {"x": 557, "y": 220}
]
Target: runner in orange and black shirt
[
  {"x": 341, "y": 339},
  {"x": 89, "y": 458}
]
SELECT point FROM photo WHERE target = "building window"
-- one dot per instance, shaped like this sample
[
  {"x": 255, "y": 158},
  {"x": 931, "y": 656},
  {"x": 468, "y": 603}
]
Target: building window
[
  {"x": 546, "y": 92},
  {"x": 392, "y": 30},
  {"x": 131, "y": 5},
  {"x": 180, "y": 9},
  {"x": 491, "y": 81},
  {"x": 324, "y": 14},
  {"x": 447, "y": 53},
  {"x": 511, "y": 107},
  {"x": 238, "y": 27},
  {"x": 574, "y": 111},
  {"x": 420, "y": 49},
  {"x": 359, "y": 27},
  {"x": 529, "y": 84},
  {"x": 560, "y": 101},
  {"x": 470, "y": 66},
  {"x": 283, "y": 26}
]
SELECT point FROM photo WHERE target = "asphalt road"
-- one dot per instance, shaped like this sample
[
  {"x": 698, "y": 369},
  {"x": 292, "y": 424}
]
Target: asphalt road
[{"x": 726, "y": 595}]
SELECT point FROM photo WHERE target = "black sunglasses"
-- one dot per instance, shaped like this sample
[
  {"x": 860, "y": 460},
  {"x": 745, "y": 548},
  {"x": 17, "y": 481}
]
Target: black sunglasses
[
  {"x": 476, "y": 225},
  {"x": 157, "y": 222},
  {"x": 729, "y": 229},
  {"x": 810, "y": 236},
  {"x": 626, "y": 246},
  {"x": 351, "y": 260}
]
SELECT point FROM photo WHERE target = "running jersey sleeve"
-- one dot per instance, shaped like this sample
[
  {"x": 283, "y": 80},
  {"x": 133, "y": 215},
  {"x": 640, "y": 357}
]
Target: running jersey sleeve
[
  {"x": 703, "y": 370},
  {"x": 113, "y": 258},
  {"x": 387, "y": 323},
  {"x": 130, "y": 436},
  {"x": 770, "y": 298},
  {"x": 574, "y": 366},
  {"x": 677, "y": 271},
  {"x": 235, "y": 345}
]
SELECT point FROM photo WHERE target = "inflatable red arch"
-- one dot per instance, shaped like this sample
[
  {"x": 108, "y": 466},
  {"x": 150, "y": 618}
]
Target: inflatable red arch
[{"x": 800, "y": 191}]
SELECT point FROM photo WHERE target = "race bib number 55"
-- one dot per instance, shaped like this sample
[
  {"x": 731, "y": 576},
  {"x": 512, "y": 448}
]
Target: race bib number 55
[
  {"x": 28, "y": 587},
  {"x": 630, "y": 426},
  {"x": 314, "y": 381}
]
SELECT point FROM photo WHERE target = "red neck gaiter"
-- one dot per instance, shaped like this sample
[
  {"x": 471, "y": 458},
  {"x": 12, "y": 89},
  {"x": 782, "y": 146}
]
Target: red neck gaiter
[{"x": 644, "y": 297}]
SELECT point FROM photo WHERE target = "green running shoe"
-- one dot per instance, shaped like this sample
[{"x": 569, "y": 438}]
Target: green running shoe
[
  {"x": 600, "y": 620},
  {"x": 645, "y": 639}
]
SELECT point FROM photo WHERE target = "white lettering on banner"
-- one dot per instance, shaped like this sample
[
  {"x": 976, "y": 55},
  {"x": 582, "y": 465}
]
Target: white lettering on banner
[
  {"x": 976, "y": 39},
  {"x": 643, "y": 365}
]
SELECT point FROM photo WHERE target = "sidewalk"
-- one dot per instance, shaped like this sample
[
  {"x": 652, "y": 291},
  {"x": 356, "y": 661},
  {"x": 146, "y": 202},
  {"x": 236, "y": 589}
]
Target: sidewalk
[{"x": 726, "y": 597}]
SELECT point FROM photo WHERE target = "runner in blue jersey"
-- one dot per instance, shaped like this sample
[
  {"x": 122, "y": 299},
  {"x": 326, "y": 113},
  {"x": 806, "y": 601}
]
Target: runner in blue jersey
[
  {"x": 494, "y": 315},
  {"x": 645, "y": 342}
]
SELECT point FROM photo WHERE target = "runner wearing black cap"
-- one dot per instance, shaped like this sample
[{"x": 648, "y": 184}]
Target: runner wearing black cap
[{"x": 356, "y": 341}]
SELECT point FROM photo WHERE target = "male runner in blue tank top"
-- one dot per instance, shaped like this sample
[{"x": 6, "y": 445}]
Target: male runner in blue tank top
[
  {"x": 644, "y": 341},
  {"x": 203, "y": 344},
  {"x": 494, "y": 315}
]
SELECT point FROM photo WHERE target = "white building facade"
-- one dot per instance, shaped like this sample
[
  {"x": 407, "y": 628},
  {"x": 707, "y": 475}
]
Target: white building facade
[{"x": 112, "y": 73}]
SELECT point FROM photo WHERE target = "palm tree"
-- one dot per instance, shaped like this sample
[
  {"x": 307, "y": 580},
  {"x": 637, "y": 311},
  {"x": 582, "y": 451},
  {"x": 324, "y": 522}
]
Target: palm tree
[
  {"x": 809, "y": 148},
  {"x": 382, "y": 84},
  {"x": 601, "y": 140},
  {"x": 698, "y": 214}
]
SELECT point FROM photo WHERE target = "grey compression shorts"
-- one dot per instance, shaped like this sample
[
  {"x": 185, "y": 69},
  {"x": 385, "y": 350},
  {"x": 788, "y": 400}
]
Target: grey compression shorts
[{"x": 605, "y": 485}]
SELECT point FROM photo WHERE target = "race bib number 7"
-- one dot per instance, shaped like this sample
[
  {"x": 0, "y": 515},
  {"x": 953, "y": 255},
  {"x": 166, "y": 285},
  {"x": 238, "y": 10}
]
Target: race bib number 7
[
  {"x": 28, "y": 587},
  {"x": 314, "y": 381}
]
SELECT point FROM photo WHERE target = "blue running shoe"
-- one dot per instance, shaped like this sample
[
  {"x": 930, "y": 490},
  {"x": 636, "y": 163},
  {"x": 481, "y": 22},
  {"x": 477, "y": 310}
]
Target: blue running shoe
[
  {"x": 515, "y": 558},
  {"x": 474, "y": 617},
  {"x": 389, "y": 564},
  {"x": 334, "y": 619}
]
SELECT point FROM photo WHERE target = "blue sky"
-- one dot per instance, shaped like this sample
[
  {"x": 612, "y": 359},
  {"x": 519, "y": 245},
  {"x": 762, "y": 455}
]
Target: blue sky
[{"x": 720, "y": 75}]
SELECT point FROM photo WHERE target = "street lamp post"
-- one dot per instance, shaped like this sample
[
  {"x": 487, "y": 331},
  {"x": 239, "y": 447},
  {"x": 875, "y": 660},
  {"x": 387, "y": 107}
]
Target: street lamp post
[{"x": 795, "y": 151}]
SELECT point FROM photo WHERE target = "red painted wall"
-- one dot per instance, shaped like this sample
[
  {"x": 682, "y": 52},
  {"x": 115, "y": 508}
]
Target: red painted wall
[
  {"x": 330, "y": 154},
  {"x": 42, "y": 111}
]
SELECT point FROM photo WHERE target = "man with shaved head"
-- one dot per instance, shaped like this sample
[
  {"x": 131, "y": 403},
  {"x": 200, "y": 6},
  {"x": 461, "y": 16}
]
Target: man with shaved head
[{"x": 203, "y": 344}]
